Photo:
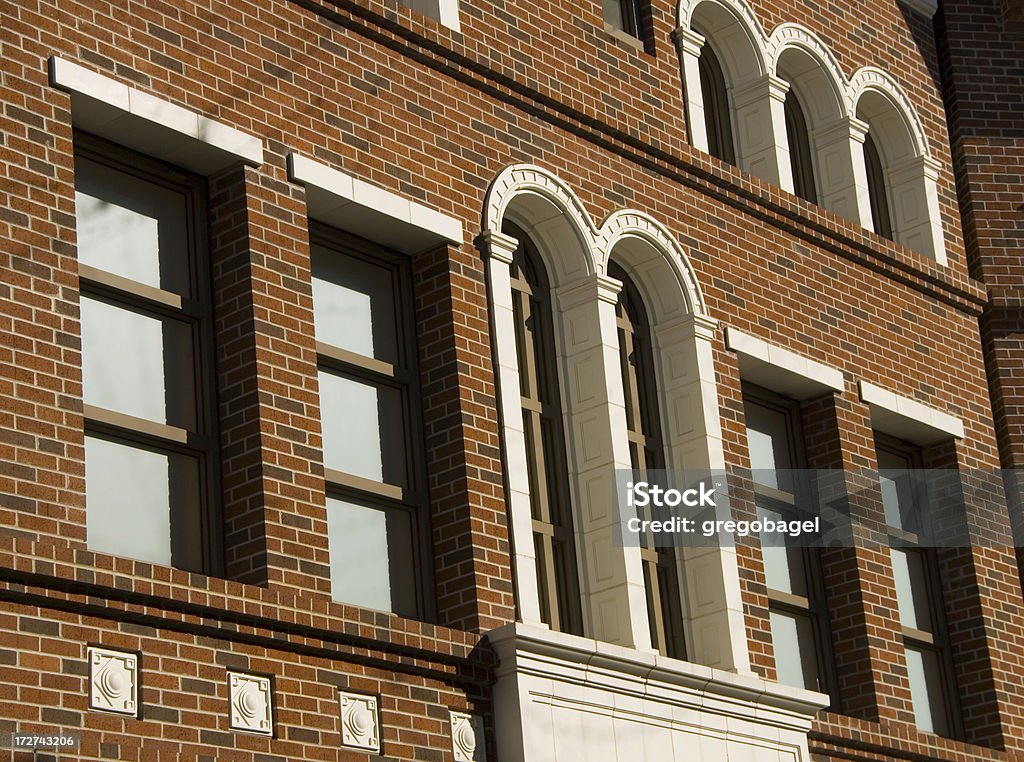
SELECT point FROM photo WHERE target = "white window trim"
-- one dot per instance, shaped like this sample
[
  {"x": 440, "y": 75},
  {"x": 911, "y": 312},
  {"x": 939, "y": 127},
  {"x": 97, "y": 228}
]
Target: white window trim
[
  {"x": 781, "y": 370},
  {"x": 585, "y": 304},
  {"x": 348, "y": 203},
  {"x": 908, "y": 419},
  {"x": 150, "y": 125},
  {"x": 758, "y": 118}
]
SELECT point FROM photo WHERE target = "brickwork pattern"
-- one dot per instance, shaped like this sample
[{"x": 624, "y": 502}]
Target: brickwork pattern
[{"x": 383, "y": 94}]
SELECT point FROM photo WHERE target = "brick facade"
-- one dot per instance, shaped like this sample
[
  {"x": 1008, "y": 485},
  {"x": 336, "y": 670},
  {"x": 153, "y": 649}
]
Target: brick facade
[{"x": 402, "y": 103}]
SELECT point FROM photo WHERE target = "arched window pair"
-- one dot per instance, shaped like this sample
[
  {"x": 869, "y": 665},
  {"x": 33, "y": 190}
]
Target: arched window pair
[
  {"x": 540, "y": 399},
  {"x": 780, "y": 108}
]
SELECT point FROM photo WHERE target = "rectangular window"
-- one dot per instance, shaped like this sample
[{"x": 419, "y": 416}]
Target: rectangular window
[
  {"x": 623, "y": 15},
  {"x": 918, "y": 598},
  {"x": 372, "y": 432},
  {"x": 151, "y": 464},
  {"x": 797, "y": 614}
]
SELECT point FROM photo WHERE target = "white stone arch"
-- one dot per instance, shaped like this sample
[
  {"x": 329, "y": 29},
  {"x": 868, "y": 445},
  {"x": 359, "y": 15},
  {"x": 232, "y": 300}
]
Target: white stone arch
[
  {"x": 814, "y": 70},
  {"x": 584, "y": 298},
  {"x": 546, "y": 208},
  {"x": 805, "y": 63},
  {"x": 911, "y": 173},
  {"x": 687, "y": 400},
  {"x": 755, "y": 95},
  {"x": 675, "y": 291}
]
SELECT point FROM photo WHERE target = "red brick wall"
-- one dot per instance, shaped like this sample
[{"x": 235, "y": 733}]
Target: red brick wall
[{"x": 397, "y": 101}]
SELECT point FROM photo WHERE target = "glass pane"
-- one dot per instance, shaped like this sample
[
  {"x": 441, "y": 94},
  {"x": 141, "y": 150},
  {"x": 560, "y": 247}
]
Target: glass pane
[
  {"x": 371, "y": 557},
  {"x": 796, "y": 659},
  {"x": 898, "y": 494},
  {"x": 137, "y": 364},
  {"x": 926, "y": 692},
  {"x": 769, "y": 445},
  {"x": 612, "y": 10},
  {"x": 130, "y": 227},
  {"x": 354, "y": 305},
  {"x": 140, "y": 504},
  {"x": 911, "y": 580},
  {"x": 784, "y": 568},
  {"x": 363, "y": 429}
]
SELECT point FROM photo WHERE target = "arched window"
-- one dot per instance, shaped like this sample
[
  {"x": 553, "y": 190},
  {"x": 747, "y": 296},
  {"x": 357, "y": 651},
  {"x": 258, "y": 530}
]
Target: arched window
[
  {"x": 880, "y": 219},
  {"x": 799, "y": 149},
  {"x": 716, "y": 106},
  {"x": 554, "y": 544},
  {"x": 647, "y": 452}
]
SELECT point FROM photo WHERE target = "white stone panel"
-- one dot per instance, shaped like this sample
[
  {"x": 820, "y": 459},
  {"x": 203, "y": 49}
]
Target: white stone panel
[
  {"x": 360, "y": 721},
  {"x": 250, "y": 703},
  {"x": 113, "y": 681},
  {"x": 467, "y": 737}
]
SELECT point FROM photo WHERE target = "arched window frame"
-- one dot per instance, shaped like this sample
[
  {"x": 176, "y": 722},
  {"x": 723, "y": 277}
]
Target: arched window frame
[
  {"x": 552, "y": 525},
  {"x": 910, "y": 173},
  {"x": 576, "y": 252},
  {"x": 758, "y": 90}
]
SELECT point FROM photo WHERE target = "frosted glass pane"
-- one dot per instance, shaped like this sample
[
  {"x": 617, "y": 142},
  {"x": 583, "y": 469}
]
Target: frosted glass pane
[
  {"x": 371, "y": 557},
  {"x": 354, "y": 305},
  {"x": 898, "y": 495},
  {"x": 796, "y": 658},
  {"x": 783, "y": 566},
  {"x": 130, "y": 495},
  {"x": 362, "y": 426},
  {"x": 769, "y": 446},
  {"x": 612, "y": 10},
  {"x": 926, "y": 693},
  {"x": 138, "y": 365},
  {"x": 131, "y": 227},
  {"x": 911, "y": 583}
]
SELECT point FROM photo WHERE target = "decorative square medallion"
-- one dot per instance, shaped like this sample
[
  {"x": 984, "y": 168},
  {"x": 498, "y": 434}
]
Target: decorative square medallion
[
  {"x": 251, "y": 707},
  {"x": 360, "y": 726},
  {"x": 467, "y": 738},
  {"x": 113, "y": 681}
]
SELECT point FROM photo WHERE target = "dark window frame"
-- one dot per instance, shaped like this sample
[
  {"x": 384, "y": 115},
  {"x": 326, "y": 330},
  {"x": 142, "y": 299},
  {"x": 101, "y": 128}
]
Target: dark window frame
[
  {"x": 204, "y": 522},
  {"x": 647, "y": 452},
  {"x": 801, "y": 155},
  {"x": 540, "y": 399},
  {"x": 813, "y": 606},
  {"x": 411, "y": 499},
  {"x": 881, "y": 214},
  {"x": 717, "y": 108},
  {"x": 936, "y": 640}
]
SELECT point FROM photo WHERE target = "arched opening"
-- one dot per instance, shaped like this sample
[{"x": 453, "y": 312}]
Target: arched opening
[
  {"x": 817, "y": 137},
  {"x": 801, "y": 159},
  {"x": 901, "y": 177},
  {"x": 546, "y": 466},
  {"x": 715, "y": 93}
]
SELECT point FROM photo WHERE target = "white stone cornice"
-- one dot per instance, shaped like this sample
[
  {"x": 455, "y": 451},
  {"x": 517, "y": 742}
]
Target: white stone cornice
[
  {"x": 907, "y": 418},
  {"x": 688, "y": 41},
  {"x": 494, "y": 245},
  {"x": 587, "y": 289},
  {"x": 847, "y": 128}
]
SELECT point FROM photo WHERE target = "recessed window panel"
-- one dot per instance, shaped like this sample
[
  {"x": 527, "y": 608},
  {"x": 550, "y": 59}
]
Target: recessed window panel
[
  {"x": 926, "y": 691},
  {"x": 363, "y": 428},
  {"x": 354, "y": 305},
  {"x": 371, "y": 553},
  {"x": 138, "y": 364},
  {"x": 796, "y": 660},
  {"x": 131, "y": 227},
  {"x": 131, "y": 495},
  {"x": 911, "y": 580},
  {"x": 768, "y": 440},
  {"x": 784, "y": 567}
]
